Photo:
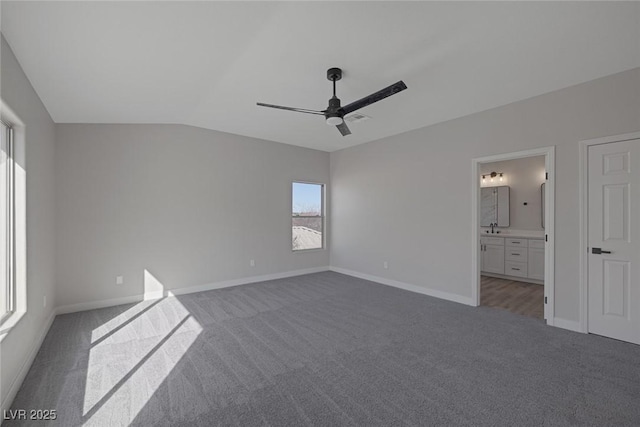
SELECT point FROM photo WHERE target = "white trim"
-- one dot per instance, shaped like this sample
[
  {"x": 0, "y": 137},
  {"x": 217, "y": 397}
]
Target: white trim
[
  {"x": 17, "y": 381},
  {"x": 549, "y": 253},
  {"x": 11, "y": 321},
  {"x": 584, "y": 218},
  {"x": 516, "y": 155},
  {"x": 550, "y": 232},
  {"x": 244, "y": 281},
  {"x": 570, "y": 325},
  {"x": 72, "y": 308},
  {"x": 475, "y": 230},
  {"x": 608, "y": 139},
  {"x": 8, "y": 115},
  {"x": 84, "y": 306},
  {"x": 406, "y": 286}
]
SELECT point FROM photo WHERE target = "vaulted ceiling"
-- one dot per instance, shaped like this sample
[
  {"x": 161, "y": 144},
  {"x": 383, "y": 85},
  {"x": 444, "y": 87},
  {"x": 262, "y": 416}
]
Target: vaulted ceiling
[{"x": 207, "y": 63}]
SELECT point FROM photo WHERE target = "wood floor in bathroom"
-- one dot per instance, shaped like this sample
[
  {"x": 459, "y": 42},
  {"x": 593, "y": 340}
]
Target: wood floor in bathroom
[{"x": 518, "y": 297}]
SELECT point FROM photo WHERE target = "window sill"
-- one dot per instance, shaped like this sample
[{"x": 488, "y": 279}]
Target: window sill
[
  {"x": 10, "y": 323},
  {"x": 307, "y": 250}
]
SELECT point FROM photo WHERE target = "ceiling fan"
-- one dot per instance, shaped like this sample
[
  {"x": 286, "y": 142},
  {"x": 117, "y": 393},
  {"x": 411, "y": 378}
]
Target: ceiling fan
[{"x": 334, "y": 114}]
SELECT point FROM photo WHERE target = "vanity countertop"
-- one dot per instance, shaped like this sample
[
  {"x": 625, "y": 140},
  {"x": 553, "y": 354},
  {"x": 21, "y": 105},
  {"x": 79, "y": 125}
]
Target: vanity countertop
[{"x": 514, "y": 235}]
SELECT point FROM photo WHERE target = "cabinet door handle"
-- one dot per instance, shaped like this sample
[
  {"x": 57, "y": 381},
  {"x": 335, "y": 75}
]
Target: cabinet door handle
[
  {"x": 515, "y": 254},
  {"x": 513, "y": 268}
]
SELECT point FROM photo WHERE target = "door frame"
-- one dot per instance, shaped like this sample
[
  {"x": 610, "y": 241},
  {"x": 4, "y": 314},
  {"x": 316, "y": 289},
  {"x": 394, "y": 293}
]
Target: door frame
[
  {"x": 584, "y": 218},
  {"x": 549, "y": 154}
]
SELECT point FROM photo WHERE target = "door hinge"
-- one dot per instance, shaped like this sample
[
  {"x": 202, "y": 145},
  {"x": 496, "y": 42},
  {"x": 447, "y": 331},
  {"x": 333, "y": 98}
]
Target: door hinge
[
  {"x": 545, "y": 300},
  {"x": 546, "y": 175}
]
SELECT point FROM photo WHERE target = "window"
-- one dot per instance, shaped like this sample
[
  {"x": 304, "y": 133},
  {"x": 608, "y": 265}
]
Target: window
[
  {"x": 307, "y": 216},
  {"x": 7, "y": 235}
]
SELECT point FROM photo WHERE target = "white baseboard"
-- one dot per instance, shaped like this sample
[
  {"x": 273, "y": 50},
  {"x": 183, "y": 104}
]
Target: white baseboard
[
  {"x": 72, "y": 308},
  {"x": 571, "y": 325},
  {"x": 237, "y": 282},
  {"x": 83, "y": 306},
  {"x": 17, "y": 381},
  {"x": 406, "y": 286}
]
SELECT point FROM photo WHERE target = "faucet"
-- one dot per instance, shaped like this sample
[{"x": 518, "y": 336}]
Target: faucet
[{"x": 492, "y": 225}]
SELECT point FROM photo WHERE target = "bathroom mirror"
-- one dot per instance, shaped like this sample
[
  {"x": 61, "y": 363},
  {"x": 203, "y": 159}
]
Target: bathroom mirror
[
  {"x": 494, "y": 206},
  {"x": 542, "y": 188}
]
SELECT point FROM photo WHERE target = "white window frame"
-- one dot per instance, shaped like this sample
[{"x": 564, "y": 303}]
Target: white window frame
[
  {"x": 9, "y": 279},
  {"x": 322, "y": 216}
]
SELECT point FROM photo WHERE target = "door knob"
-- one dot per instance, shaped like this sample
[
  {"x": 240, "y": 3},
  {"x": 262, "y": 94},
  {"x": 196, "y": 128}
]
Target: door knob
[{"x": 599, "y": 251}]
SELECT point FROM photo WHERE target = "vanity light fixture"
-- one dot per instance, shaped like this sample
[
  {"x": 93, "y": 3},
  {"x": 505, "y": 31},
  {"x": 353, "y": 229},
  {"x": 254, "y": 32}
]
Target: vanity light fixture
[{"x": 492, "y": 175}]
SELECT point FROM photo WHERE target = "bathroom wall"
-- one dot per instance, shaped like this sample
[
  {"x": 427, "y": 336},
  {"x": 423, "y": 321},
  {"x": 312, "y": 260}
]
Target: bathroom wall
[{"x": 524, "y": 177}]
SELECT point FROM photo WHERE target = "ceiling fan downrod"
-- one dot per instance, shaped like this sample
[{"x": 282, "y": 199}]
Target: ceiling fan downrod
[{"x": 334, "y": 115}]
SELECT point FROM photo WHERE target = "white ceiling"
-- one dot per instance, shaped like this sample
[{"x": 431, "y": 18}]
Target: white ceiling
[{"x": 207, "y": 63}]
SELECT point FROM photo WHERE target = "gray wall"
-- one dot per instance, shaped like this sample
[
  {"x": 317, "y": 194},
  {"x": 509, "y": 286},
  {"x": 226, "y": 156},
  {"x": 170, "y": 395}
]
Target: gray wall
[
  {"x": 39, "y": 138},
  {"x": 188, "y": 205},
  {"x": 523, "y": 176},
  {"x": 407, "y": 199}
]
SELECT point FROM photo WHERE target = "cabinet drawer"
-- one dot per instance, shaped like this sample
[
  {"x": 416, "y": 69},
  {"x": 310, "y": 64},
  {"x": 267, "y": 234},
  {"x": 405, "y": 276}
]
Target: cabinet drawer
[
  {"x": 492, "y": 241},
  {"x": 536, "y": 243},
  {"x": 521, "y": 243},
  {"x": 515, "y": 254},
  {"x": 514, "y": 268}
]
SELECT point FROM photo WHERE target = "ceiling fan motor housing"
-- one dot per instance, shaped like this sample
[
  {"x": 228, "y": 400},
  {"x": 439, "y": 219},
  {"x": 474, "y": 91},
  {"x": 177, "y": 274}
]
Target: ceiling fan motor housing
[
  {"x": 334, "y": 113},
  {"x": 334, "y": 105}
]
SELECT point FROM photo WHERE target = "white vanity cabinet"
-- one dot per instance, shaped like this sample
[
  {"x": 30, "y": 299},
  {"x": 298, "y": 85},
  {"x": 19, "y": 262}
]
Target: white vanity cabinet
[
  {"x": 536, "y": 259},
  {"x": 513, "y": 257},
  {"x": 516, "y": 255},
  {"x": 492, "y": 254}
]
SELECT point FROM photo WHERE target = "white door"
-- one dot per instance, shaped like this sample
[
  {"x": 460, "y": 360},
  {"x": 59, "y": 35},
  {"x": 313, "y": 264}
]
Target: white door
[{"x": 614, "y": 240}]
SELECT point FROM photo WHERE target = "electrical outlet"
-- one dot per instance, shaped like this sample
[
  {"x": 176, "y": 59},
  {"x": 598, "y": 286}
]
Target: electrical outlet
[
  {"x": 252, "y": 263},
  {"x": 44, "y": 301},
  {"x": 119, "y": 280},
  {"x": 385, "y": 264}
]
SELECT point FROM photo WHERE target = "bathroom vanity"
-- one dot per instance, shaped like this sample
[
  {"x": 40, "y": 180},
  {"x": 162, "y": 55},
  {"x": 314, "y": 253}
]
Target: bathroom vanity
[{"x": 513, "y": 257}]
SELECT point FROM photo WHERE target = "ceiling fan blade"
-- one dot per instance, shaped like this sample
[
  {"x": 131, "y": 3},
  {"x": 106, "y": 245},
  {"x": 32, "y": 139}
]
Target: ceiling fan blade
[
  {"x": 344, "y": 129},
  {"x": 375, "y": 97},
  {"x": 299, "y": 110}
]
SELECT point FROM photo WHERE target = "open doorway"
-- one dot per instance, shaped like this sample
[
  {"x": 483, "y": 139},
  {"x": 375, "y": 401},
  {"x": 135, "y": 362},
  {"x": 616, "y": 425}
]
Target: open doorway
[{"x": 512, "y": 224}]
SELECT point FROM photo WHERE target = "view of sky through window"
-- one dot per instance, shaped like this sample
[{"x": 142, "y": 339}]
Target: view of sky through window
[
  {"x": 306, "y": 197},
  {"x": 307, "y": 220}
]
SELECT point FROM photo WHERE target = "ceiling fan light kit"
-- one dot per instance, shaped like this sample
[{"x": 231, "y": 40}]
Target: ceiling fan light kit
[
  {"x": 334, "y": 114},
  {"x": 334, "y": 120}
]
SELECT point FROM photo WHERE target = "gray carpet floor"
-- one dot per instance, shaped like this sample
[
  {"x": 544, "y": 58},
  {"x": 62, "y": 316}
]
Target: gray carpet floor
[{"x": 328, "y": 350}]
